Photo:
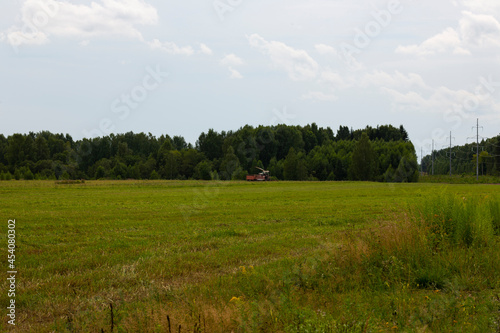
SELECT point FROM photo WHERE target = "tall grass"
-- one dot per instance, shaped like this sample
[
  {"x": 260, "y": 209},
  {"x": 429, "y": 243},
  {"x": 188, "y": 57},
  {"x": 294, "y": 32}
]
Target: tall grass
[
  {"x": 460, "y": 220},
  {"x": 433, "y": 269}
]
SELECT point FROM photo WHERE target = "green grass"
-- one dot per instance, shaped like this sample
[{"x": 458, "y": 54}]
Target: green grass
[
  {"x": 460, "y": 179},
  {"x": 276, "y": 257}
]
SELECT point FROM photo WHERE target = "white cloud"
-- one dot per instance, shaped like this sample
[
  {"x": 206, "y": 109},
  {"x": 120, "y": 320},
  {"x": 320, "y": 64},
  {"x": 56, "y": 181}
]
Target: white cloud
[
  {"x": 397, "y": 80},
  {"x": 325, "y": 49},
  {"x": 231, "y": 60},
  {"x": 474, "y": 30},
  {"x": 171, "y": 48},
  {"x": 43, "y": 19},
  {"x": 448, "y": 40},
  {"x": 205, "y": 49},
  {"x": 319, "y": 96},
  {"x": 490, "y": 7},
  {"x": 409, "y": 92},
  {"x": 297, "y": 63},
  {"x": 443, "y": 100},
  {"x": 336, "y": 80},
  {"x": 376, "y": 79},
  {"x": 235, "y": 74},
  {"x": 409, "y": 101},
  {"x": 481, "y": 30}
]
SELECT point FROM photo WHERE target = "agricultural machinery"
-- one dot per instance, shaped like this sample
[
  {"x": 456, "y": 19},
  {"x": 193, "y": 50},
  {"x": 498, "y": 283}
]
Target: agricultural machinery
[{"x": 262, "y": 176}]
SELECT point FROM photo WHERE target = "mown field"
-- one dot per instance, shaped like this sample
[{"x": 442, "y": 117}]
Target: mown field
[{"x": 192, "y": 256}]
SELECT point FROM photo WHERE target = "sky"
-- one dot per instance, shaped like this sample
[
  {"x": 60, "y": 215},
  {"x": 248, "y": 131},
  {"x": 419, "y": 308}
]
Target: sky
[{"x": 91, "y": 68}]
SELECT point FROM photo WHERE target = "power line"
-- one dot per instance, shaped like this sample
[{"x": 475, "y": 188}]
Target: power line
[
  {"x": 450, "y": 152},
  {"x": 462, "y": 157},
  {"x": 433, "y": 157},
  {"x": 477, "y": 149}
]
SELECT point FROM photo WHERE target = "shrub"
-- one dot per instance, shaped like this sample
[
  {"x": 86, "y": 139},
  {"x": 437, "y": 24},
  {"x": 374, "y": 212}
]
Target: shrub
[
  {"x": 154, "y": 175},
  {"x": 462, "y": 221}
]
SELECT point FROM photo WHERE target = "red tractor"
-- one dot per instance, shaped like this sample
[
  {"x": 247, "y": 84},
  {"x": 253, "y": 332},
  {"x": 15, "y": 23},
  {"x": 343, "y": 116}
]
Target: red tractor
[{"x": 262, "y": 176}]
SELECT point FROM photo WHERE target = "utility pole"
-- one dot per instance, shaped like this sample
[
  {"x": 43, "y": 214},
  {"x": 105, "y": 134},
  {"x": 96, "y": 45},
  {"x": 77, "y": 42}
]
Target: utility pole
[
  {"x": 450, "y": 153},
  {"x": 432, "y": 154},
  {"x": 477, "y": 149}
]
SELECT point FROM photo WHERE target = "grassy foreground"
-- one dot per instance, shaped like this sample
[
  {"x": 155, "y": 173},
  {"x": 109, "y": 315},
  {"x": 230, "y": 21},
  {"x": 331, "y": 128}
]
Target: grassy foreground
[{"x": 167, "y": 256}]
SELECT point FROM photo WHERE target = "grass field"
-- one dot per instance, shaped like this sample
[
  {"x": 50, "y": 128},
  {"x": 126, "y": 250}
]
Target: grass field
[{"x": 192, "y": 256}]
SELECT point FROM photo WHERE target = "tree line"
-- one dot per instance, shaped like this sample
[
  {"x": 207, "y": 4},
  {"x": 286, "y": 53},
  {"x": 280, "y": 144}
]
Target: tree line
[
  {"x": 306, "y": 152},
  {"x": 464, "y": 159}
]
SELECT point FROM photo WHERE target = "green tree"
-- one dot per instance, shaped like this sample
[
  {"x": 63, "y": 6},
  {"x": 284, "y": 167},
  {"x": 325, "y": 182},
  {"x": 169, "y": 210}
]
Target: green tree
[
  {"x": 343, "y": 133},
  {"x": 294, "y": 167},
  {"x": 407, "y": 170},
  {"x": 3, "y": 149},
  {"x": 179, "y": 143},
  {"x": 190, "y": 158},
  {"x": 211, "y": 144},
  {"x": 203, "y": 170},
  {"x": 288, "y": 137},
  {"x": 318, "y": 164},
  {"x": 154, "y": 175},
  {"x": 133, "y": 172},
  {"x": 267, "y": 144},
  {"x": 239, "y": 174},
  {"x": 310, "y": 139},
  {"x": 165, "y": 147},
  {"x": 41, "y": 149},
  {"x": 27, "y": 174},
  {"x": 100, "y": 172},
  {"x": 106, "y": 166},
  {"x": 276, "y": 168},
  {"x": 123, "y": 151},
  {"x": 229, "y": 164},
  {"x": 170, "y": 163},
  {"x": 363, "y": 165},
  {"x": 15, "y": 153},
  {"x": 119, "y": 171},
  {"x": 146, "y": 167},
  {"x": 484, "y": 157}
]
